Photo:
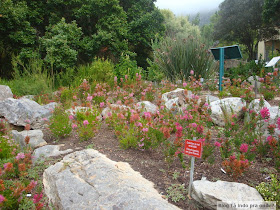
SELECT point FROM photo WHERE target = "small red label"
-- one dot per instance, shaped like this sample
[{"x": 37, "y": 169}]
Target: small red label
[{"x": 193, "y": 148}]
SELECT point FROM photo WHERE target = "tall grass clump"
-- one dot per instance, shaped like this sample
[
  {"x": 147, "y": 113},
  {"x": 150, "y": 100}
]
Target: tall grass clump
[
  {"x": 30, "y": 78},
  {"x": 100, "y": 70},
  {"x": 176, "y": 57}
]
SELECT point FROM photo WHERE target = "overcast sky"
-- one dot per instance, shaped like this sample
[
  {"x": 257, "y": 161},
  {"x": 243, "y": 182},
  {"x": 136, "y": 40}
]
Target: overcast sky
[{"x": 188, "y": 6}]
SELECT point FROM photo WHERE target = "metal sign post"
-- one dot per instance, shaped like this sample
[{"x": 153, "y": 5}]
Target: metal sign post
[
  {"x": 222, "y": 53},
  {"x": 194, "y": 149},
  {"x": 221, "y": 74}
]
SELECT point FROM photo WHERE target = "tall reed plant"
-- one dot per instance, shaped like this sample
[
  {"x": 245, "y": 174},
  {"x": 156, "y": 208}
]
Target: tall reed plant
[{"x": 176, "y": 57}]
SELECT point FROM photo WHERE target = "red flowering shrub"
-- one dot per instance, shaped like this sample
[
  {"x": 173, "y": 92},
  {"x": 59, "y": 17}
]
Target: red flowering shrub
[{"x": 236, "y": 166}]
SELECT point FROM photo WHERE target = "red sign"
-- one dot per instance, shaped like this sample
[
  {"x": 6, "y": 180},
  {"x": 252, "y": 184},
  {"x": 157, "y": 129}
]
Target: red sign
[{"x": 193, "y": 148}]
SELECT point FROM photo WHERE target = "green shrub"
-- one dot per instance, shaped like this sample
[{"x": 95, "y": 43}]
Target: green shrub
[
  {"x": 270, "y": 191},
  {"x": 100, "y": 70},
  {"x": 177, "y": 57},
  {"x": 88, "y": 123},
  {"x": 126, "y": 66},
  {"x": 7, "y": 146},
  {"x": 59, "y": 123},
  {"x": 245, "y": 70},
  {"x": 29, "y": 79}
]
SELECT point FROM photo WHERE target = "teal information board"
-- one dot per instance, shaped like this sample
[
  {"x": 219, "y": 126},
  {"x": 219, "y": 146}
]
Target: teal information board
[{"x": 222, "y": 53}]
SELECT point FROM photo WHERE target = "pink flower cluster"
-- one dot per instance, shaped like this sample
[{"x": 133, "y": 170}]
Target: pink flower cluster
[
  {"x": 243, "y": 148},
  {"x": 265, "y": 114}
]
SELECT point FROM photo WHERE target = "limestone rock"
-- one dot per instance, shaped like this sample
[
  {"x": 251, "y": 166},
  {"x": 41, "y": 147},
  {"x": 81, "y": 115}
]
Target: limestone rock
[
  {"x": 74, "y": 111},
  {"x": 176, "y": 100},
  {"x": 231, "y": 106},
  {"x": 112, "y": 108},
  {"x": 255, "y": 105},
  {"x": 89, "y": 180},
  {"x": 23, "y": 111},
  {"x": 30, "y": 97},
  {"x": 49, "y": 151},
  {"x": 148, "y": 106},
  {"x": 210, "y": 98},
  {"x": 5, "y": 92},
  {"x": 36, "y": 138},
  {"x": 209, "y": 193},
  {"x": 179, "y": 92}
]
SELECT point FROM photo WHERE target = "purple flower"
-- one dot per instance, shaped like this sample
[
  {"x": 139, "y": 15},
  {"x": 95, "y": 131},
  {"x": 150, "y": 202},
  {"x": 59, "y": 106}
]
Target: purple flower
[
  {"x": 20, "y": 156},
  {"x": 2, "y": 198},
  {"x": 89, "y": 98},
  {"x": 145, "y": 129},
  {"x": 191, "y": 72},
  {"x": 74, "y": 126},
  {"x": 243, "y": 148},
  {"x": 217, "y": 144},
  {"x": 85, "y": 122},
  {"x": 71, "y": 117},
  {"x": 147, "y": 114},
  {"x": 278, "y": 123}
]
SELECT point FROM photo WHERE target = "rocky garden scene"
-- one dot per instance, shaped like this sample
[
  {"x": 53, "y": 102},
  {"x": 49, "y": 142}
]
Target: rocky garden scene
[{"x": 95, "y": 108}]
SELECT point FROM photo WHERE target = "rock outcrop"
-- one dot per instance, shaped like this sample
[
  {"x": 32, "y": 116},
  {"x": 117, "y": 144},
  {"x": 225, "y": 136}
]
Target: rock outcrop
[
  {"x": 5, "y": 92},
  {"x": 226, "y": 107},
  {"x": 36, "y": 138},
  {"x": 209, "y": 193},
  {"x": 49, "y": 151},
  {"x": 147, "y": 106},
  {"x": 87, "y": 179},
  {"x": 24, "y": 111}
]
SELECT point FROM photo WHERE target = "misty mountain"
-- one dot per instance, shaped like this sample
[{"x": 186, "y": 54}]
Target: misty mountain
[{"x": 204, "y": 16}]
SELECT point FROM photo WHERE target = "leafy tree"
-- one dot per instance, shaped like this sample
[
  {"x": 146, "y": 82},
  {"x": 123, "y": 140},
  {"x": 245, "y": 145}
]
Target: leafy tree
[
  {"x": 145, "y": 22},
  {"x": 178, "y": 26},
  {"x": 196, "y": 20},
  {"x": 241, "y": 21},
  {"x": 61, "y": 43},
  {"x": 271, "y": 12},
  {"x": 16, "y": 34}
]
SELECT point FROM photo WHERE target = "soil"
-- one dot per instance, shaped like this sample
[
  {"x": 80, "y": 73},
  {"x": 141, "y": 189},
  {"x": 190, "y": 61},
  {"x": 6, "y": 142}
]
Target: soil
[{"x": 152, "y": 166}]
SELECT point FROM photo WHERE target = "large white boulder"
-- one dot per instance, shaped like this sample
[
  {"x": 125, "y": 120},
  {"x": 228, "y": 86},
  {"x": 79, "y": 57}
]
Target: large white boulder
[
  {"x": 255, "y": 105},
  {"x": 24, "y": 111},
  {"x": 87, "y": 179},
  {"x": 5, "y": 92},
  {"x": 36, "y": 138},
  {"x": 209, "y": 193},
  {"x": 147, "y": 106},
  {"x": 226, "y": 107},
  {"x": 176, "y": 100},
  {"x": 113, "y": 108}
]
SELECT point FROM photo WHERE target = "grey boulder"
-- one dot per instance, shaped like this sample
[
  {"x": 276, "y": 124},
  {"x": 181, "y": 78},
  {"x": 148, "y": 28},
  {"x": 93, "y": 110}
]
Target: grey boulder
[
  {"x": 209, "y": 193},
  {"x": 24, "y": 111},
  {"x": 49, "y": 151},
  {"x": 89, "y": 180},
  {"x": 36, "y": 138},
  {"x": 5, "y": 92},
  {"x": 225, "y": 108},
  {"x": 147, "y": 106}
]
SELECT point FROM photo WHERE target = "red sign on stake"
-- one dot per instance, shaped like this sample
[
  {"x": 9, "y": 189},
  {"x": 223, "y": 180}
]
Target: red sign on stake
[{"x": 193, "y": 148}]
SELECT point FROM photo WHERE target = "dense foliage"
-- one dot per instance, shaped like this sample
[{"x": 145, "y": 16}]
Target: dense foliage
[
  {"x": 241, "y": 21},
  {"x": 67, "y": 33}
]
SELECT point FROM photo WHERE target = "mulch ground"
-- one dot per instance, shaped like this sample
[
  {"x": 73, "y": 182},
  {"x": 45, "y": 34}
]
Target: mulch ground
[{"x": 152, "y": 164}]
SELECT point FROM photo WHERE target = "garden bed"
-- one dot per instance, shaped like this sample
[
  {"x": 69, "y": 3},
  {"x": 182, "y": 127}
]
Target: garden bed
[{"x": 152, "y": 166}]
